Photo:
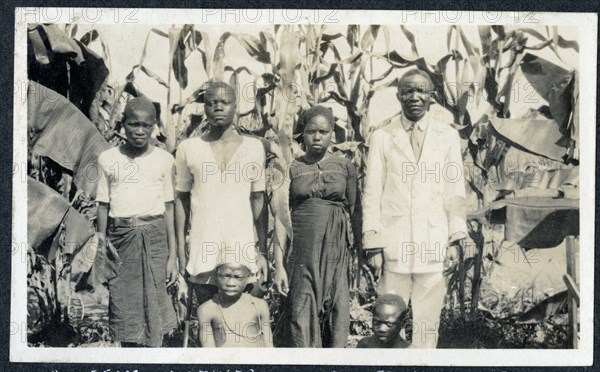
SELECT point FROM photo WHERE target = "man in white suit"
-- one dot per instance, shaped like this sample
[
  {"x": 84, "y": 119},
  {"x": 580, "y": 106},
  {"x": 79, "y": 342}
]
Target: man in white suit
[{"x": 414, "y": 205}]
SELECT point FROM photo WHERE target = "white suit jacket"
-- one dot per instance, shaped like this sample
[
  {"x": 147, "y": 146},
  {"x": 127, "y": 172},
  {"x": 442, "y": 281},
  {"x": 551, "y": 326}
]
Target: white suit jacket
[{"x": 414, "y": 206}]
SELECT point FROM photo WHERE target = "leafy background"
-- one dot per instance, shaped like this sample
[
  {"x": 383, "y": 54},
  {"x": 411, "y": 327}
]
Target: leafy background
[{"x": 500, "y": 87}]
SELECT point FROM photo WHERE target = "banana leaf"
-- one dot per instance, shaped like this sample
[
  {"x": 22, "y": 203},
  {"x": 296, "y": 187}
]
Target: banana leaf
[
  {"x": 46, "y": 210},
  {"x": 95, "y": 262},
  {"x": 544, "y": 179},
  {"x": 64, "y": 134},
  {"x": 532, "y": 222},
  {"x": 543, "y": 310},
  {"x": 86, "y": 80},
  {"x": 65, "y": 65},
  {"x": 554, "y": 83},
  {"x": 538, "y": 136},
  {"x": 573, "y": 151},
  {"x": 92, "y": 36}
]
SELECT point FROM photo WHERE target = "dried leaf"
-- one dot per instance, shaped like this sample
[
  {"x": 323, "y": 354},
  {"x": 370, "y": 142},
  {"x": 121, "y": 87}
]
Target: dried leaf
[
  {"x": 88, "y": 37},
  {"x": 411, "y": 38},
  {"x": 369, "y": 37}
]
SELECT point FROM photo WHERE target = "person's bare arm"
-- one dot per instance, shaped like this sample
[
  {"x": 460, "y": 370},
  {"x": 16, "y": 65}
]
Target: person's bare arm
[
  {"x": 279, "y": 245},
  {"x": 171, "y": 243},
  {"x": 206, "y": 333},
  {"x": 102, "y": 217},
  {"x": 260, "y": 214},
  {"x": 351, "y": 187},
  {"x": 354, "y": 205},
  {"x": 261, "y": 222},
  {"x": 103, "y": 198},
  {"x": 265, "y": 318},
  {"x": 182, "y": 213}
]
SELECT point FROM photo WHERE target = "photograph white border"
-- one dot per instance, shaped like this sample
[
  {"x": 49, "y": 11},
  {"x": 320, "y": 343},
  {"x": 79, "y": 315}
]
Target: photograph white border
[{"x": 20, "y": 352}]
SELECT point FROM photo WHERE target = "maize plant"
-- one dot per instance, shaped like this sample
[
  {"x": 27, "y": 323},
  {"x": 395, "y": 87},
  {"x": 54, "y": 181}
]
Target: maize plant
[{"x": 306, "y": 65}]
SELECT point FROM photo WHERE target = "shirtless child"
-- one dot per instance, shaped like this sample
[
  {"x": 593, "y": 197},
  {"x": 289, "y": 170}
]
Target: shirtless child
[
  {"x": 232, "y": 318},
  {"x": 389, "y": 317}
]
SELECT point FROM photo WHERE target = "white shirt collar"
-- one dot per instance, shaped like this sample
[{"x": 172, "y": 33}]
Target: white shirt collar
[{"x": 421, "y": 124}]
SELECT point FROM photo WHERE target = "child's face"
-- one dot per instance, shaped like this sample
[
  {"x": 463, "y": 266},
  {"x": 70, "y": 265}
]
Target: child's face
[
  {"x": 387, "y": 323},
  {"x": 232, "y": 279},
  {"x": 138, "y": 127}
]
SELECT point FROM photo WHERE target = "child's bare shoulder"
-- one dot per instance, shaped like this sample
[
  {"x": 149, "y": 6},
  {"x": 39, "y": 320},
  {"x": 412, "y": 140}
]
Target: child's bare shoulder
[
  {"x": 256, "y": 300},
  {"x": 365, "y": 343},
  {"x": 208, "y": 310}
]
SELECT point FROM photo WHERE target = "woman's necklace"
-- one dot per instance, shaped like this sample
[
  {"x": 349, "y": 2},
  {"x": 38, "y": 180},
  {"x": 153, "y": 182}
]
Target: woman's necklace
[{"x": 248, "y": 338}]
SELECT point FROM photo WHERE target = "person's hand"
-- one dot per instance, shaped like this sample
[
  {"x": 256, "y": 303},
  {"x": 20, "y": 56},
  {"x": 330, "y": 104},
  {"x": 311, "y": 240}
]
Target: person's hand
[
  {"x": 263, "y": 269},
  {"x": 372, "y": 240},
  {"x": 375, "y": 263},
  {"x": 182, "y": 288},
  {"x": 172, "y": 272},
  {"x": 451, "y": 259},
  {"x": 281, "y": 281}
]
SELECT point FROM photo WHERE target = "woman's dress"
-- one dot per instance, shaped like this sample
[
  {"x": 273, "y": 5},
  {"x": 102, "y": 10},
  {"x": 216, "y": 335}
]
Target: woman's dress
[{"x": 318, "y": 306}]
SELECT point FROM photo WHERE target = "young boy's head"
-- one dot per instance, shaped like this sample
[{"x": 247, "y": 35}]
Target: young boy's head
[
  {"x": 389, "y": 313},
  {"x": 232, "y": 279},
  {"x": 139, "y": 120}
]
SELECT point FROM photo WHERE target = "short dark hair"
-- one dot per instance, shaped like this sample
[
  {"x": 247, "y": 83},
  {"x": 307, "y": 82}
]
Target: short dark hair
[
  {"x": 139, "y": 104},
  {"x": 315, "y": 111},
  {"x": 413, "y": 72},
  {"x": 391, "y": 299}
]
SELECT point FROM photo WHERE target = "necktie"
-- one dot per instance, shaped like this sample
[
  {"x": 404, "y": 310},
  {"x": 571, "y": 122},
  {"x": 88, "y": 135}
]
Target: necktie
[{"x": 415, "y": 141}]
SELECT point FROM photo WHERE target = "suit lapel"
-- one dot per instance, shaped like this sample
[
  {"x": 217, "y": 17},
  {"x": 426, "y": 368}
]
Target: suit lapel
[
  {"x": 400, "y": 138},
  {"x": 431, "y": 141}
]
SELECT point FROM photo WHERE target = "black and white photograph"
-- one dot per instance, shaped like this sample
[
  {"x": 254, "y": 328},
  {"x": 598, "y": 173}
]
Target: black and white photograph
[{"x": 323, "y": 179}]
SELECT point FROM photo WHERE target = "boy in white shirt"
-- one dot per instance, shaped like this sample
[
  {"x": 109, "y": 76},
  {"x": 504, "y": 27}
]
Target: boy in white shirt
[
  {"x": 135, "y": 195},
  {"x": 220, "y": 188}
]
